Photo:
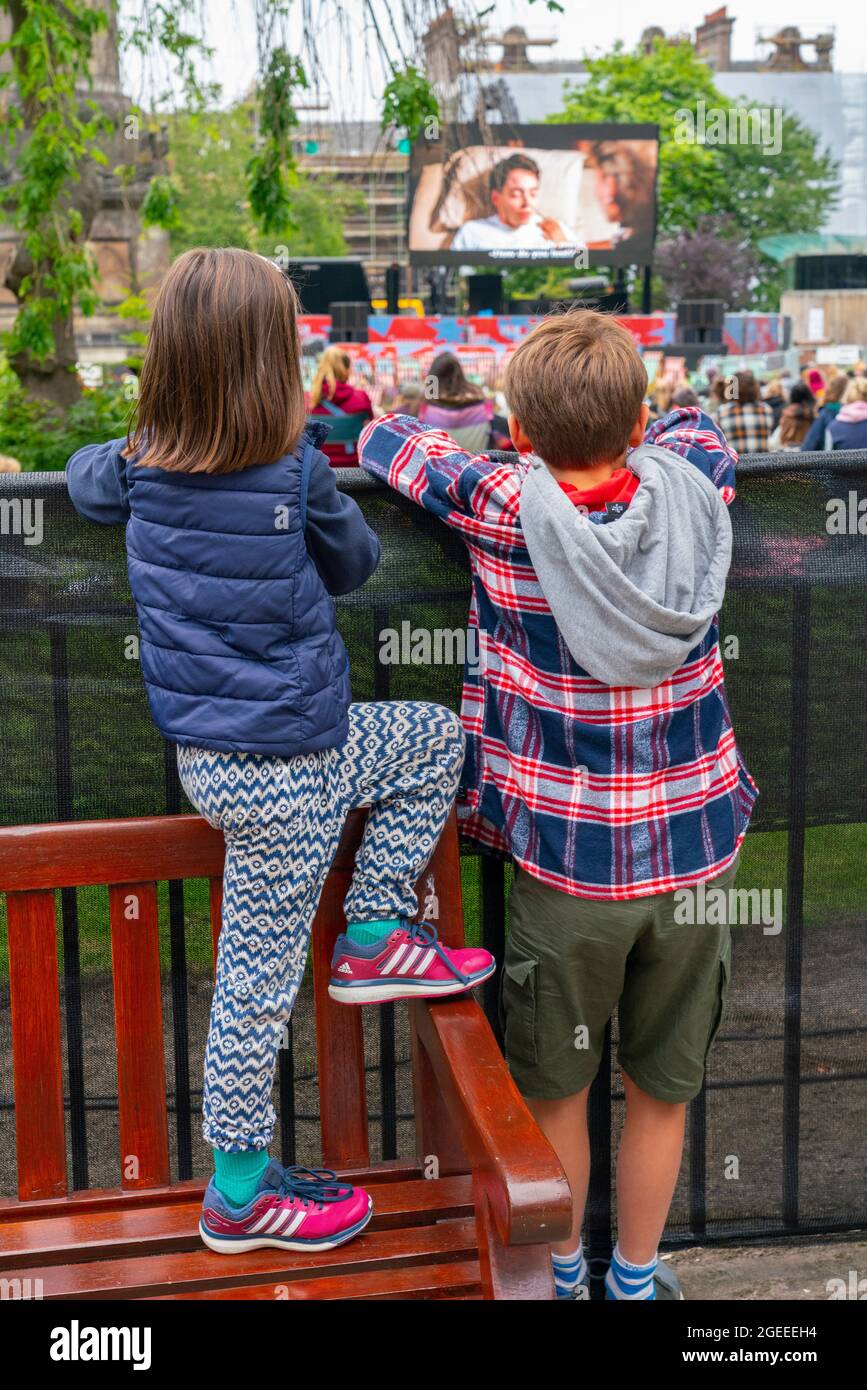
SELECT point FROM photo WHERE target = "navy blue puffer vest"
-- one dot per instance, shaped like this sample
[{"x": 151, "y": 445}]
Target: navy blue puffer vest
[{"x": 239, "y": 647}]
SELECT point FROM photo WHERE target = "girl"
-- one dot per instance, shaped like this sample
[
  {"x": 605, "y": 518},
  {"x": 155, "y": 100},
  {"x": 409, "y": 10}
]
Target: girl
[
  {"x": 453, "y": 403},
  {"x": 236, "y": 539},
  {"x": 795, "y": 421},
  {"x": 331, "y": 394}
]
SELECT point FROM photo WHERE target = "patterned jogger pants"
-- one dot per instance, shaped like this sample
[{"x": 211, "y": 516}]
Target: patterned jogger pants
[{"x": 282, "y": 819}]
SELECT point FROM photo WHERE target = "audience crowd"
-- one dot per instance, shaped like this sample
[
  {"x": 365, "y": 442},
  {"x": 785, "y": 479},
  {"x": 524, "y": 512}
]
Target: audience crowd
[{"x": 824, "y": 408}]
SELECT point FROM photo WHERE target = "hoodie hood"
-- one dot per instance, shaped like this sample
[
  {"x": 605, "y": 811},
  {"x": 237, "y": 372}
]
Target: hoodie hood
[
  {"x": 853, "y": 414},
  {"x": 632, "y": 597}
]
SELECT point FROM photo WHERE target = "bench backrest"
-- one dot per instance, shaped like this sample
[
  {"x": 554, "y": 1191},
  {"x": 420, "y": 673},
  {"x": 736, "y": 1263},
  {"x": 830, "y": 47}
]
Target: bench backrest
[
  {"x": 342, "y": 428},
  {"x": 131, "y": 856}
]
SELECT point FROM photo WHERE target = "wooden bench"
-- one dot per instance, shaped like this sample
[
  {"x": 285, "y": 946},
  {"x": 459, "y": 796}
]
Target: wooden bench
[{"x": 480, "y": 1229}]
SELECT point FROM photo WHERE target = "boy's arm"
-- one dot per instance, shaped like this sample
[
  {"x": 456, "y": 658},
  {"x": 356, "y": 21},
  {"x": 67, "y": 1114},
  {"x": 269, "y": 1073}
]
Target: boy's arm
[
  {"x": 696, "y": 437},
  {"x": 97, "y": 485},
  {"x": 340, "y": 543},
  {"x": 429, "y": 468}
]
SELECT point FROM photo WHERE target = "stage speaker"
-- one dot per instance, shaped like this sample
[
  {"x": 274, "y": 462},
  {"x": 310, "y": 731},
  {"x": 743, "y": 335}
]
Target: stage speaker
[
  {"x": 485, "y": 294},
  {"x": 700, "y": 320},
  {"x": 349, "y": 321},
  {"x": 323, "y": 280}
]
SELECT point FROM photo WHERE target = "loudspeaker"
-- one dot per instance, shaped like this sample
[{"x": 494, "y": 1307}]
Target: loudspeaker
[
  {"x": 485, "y": 294},
  {"x": 349, "y": 321},
  {"x": 322, "y": 281},
  {"x": 700, "y": 320}
]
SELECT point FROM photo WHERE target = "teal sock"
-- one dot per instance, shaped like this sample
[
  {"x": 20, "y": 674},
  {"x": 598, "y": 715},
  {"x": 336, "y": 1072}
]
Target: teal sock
[
  {"x": 238, "y": 1174},
  {"x": 366, "y": 933}
]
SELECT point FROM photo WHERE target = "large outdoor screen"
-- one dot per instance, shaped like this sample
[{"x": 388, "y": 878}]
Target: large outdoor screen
[{"x": 528, "y": 194}]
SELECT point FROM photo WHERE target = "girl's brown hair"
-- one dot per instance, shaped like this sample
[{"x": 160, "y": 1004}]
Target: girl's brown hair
[
  {"x": 453, "y": 386},
  {"x": 334, "y": 365},
  {"x": 795, "y": 423},
  {"x": 221, "y": 383}
]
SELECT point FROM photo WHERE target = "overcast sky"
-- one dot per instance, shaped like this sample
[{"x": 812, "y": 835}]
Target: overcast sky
[{"x": 583, "y": 28}]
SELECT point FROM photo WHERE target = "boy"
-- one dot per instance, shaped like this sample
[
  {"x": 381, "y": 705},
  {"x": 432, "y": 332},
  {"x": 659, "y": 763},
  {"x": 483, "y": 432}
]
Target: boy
[{"x": 601, "y": 754}]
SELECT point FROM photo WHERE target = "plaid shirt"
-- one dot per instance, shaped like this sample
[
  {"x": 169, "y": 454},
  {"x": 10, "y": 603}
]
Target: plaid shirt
[
  {"x": 602, "y": 792},
  {"x": 747, "y": 425}
]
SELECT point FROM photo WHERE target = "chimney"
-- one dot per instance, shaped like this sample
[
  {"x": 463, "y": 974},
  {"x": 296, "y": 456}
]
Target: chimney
[{"x": 713, "y": 40}]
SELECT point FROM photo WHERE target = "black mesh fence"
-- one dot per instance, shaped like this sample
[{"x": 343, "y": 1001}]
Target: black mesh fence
[{"x": 776, "y": 1141}]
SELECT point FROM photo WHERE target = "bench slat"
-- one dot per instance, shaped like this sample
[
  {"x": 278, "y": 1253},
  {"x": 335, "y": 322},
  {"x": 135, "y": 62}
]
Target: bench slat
[
  {"x": 37, "y": 1053},
  {"x": 191, "y": 1271},
  {"x": 138, "y": 1025},
  {"x": 117, "y": 1233},
  {"x": 140, "y": 850},
  {"x": 457, "y": 1279},
  {"x": 339, "y": 1035},
  {"x": 128, "y": 1199}
]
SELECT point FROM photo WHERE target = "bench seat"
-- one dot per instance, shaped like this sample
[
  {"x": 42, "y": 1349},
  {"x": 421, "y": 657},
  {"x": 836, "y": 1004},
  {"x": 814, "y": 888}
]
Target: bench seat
[{"x": 471, "y": 1215}]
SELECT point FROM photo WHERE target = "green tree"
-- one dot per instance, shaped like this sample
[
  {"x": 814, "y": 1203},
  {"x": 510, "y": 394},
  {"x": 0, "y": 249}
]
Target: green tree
[
  {"x": 55, "y": 143},
  {"x": 50, "y": 138},
  {"x": 761, "y": 192},
  {"x": 209, "y": 153}
]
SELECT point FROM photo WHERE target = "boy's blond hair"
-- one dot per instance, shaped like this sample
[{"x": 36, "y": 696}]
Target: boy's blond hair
[{"x": 576, "y": 385}]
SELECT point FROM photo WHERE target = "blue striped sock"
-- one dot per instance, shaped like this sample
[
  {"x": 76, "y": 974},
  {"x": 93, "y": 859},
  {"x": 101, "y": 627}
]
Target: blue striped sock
[
  {"x": 569, "y": 1270},
  {"x": 625, "y": 1281}
]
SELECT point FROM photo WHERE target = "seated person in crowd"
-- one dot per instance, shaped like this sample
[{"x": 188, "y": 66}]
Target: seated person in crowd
[
  {"x": 452, "y": 403},
  {"x": 849, "y": 430},
  {"x": 774, "y": 396},
  {"x": 716, "y": 394},
  {"x": 745, "y": 419},
  {"x": 818, "y": 436},
  {"x": 331, "y": 394},
  {"x": 795, "y": 421},
  {"x": 659, "y": 399},
  {"x": 408, "y": 398}
]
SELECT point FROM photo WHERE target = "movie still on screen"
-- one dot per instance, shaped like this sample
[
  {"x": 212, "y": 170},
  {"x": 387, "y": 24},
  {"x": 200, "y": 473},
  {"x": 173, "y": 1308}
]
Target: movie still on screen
[{"x": 534, "y": 194}]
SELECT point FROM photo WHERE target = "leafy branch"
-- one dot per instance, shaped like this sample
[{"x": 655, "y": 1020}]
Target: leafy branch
[
  {"x": 408, "y": 102},
  {"x": 272, "y": 170},
  {"x": 49, "y": 132}
]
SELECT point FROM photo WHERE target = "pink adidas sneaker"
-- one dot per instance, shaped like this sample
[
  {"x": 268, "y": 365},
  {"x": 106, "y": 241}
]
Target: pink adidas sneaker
[
  {"x": 293, "y": 1209},
  {"x": 409, "y": 963}
]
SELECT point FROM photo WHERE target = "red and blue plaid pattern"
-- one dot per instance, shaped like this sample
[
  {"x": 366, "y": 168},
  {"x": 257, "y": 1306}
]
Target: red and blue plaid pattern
[{"x": 603, "y": 792}]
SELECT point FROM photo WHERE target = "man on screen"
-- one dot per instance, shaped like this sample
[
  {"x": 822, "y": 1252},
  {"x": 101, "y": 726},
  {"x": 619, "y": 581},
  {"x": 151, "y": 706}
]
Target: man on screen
[{"x": 514, "y": 189}]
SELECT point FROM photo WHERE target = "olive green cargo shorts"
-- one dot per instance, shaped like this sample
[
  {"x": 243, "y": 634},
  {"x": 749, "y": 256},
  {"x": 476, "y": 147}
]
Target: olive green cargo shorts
[{"x": 570, "y": 961}]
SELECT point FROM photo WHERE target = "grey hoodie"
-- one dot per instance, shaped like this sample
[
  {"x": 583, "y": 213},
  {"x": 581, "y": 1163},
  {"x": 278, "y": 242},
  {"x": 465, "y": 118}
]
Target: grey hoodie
[{"x": 634, "y": 596}]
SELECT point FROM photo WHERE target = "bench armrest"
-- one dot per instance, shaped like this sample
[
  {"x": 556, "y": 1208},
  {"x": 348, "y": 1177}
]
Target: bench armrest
[{"x": 525, "y": 1184}]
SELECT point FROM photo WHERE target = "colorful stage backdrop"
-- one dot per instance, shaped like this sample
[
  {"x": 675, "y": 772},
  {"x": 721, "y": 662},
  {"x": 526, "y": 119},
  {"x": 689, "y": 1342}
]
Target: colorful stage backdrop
[{"x": 401, "y": 349}]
